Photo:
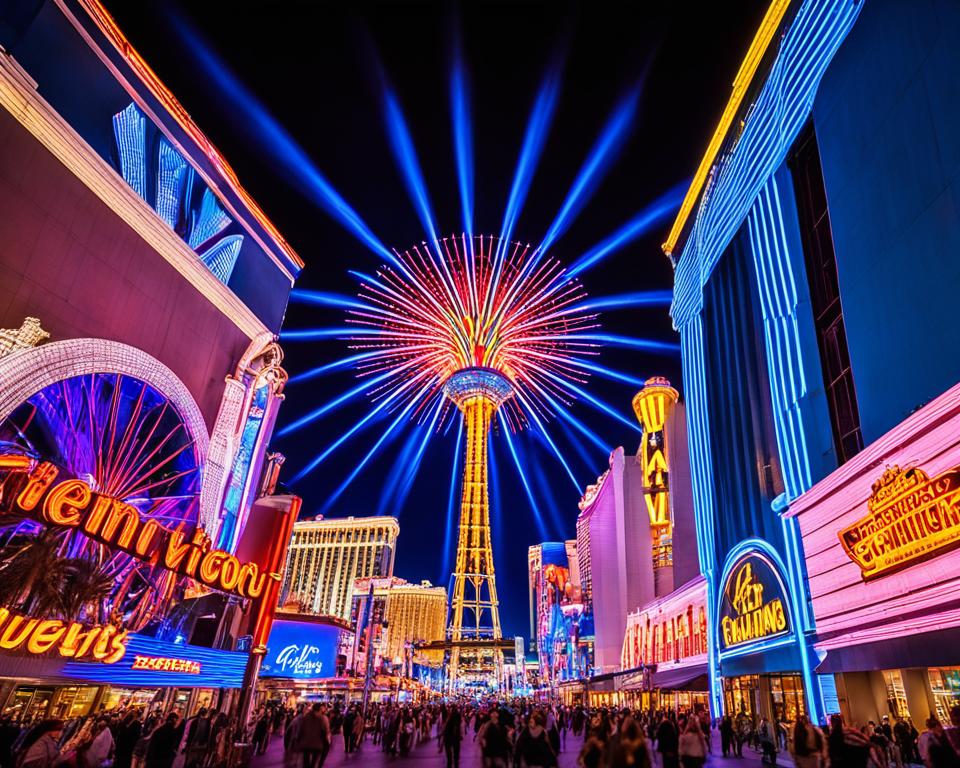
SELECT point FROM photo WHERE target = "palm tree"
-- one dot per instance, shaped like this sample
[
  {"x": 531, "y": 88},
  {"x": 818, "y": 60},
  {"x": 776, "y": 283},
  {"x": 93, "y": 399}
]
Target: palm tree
[{"x": 35, "y": 578}]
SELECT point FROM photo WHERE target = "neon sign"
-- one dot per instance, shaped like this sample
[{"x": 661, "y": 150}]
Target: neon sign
[
  {"x": 166, "y": 664},
  {"x": 753, "y": 606},
  {"x": 72, "y": 503},
  {"x": 300, "y": 661},
  {"x": 107, "y": 644},
  {"x": 911, "y": 517}
]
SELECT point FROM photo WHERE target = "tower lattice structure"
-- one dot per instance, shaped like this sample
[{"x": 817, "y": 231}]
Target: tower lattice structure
[{"x": 474, "y": 609}]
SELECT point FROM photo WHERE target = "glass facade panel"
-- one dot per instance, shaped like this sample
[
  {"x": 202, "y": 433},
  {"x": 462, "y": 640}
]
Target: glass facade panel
[
  {"x": 945, "y": 685},
  {"x": 896, "y": 695}
]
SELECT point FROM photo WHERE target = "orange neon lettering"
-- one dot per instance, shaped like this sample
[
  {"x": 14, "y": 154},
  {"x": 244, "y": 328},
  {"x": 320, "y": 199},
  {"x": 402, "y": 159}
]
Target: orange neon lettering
[
  {"x": 94, "y": 519},
  {"x": 65, "y": 503},
  {"x": 40, "y": 480},
  {"x": 46, "y": 635},
  {"x": 177, "y": 550},
  {"x": 210, "y": 566},
  {"x": 229, "y": 572},
  {"x": 11, "y": 638},
  {"x": 121, "y": 513},
  {"x": 201, "y": 543},
  {"x": 118, "y": 648},
  {"x": 78, "y": 641},
  {"x": 146, "y": 538}
]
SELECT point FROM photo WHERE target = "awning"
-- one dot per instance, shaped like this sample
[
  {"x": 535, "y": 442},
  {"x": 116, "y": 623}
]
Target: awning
[
  {"x": 785, "y": 658},
  {"x": 928, "y": 649},
  {"x": 691, "y": 678}
]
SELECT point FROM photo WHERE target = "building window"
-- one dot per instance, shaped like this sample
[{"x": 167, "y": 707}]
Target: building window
[{"x": 821, "y": 263}]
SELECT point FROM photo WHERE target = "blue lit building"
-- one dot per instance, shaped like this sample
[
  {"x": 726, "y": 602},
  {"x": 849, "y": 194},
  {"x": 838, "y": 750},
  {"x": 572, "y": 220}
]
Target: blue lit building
[{"x": 815, "y": 276}]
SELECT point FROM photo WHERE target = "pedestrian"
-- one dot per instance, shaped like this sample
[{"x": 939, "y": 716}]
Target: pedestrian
[
  {"x": 846, "y": 747},
  {"x": 953, "y": 731},
  {"x": 494, "y": 746},
  {"x": 261, "y": 730},
  {"x": 767, "y": 736},
  {"x": 41, "y": 748},
  {"x": 630, "y": 750},
  {"x": 100, "y": 747},
  {"x": 726, "y": 735},
  {"x": 128, "y": 734},
  {"x": 935, "y": 747},
  {"x": 451, "y": 735},
  {"x": 164, "y": 743},
  {"x": 668, "y": 743},
  {"x": 809, "y": 748},
  {"x": 692, "y": 747},
  {"x": 533, "y": 748},
  {"x": 348, "y": 722},
  {"x": 315, "y": 736}
]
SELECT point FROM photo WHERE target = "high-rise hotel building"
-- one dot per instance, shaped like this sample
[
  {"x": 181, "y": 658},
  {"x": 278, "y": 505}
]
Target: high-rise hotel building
[
  {"x": 326, "y": 557},
  {"x": 414, "y": 613}
]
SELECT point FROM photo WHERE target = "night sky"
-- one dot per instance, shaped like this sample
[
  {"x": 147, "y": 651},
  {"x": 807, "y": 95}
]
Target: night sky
[{"x": 318, "y": 70}]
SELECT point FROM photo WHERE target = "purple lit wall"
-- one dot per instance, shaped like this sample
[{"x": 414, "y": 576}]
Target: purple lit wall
[{"x": 66, "y": 258}]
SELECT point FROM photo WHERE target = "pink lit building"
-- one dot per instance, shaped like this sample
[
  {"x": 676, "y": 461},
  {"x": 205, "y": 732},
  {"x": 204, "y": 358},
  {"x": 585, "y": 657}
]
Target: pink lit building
[
  {"x": 880, "y": 535},
  {"x": 618, "y": 571}
]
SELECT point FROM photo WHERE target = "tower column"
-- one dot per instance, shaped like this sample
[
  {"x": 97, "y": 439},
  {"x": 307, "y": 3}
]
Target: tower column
[{"x": 474, "y": 607}]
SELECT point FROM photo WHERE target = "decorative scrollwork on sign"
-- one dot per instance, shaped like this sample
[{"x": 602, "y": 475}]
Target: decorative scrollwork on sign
[
  {"x": 912, "y": 517},
  {"x": 28, "y": 335}
]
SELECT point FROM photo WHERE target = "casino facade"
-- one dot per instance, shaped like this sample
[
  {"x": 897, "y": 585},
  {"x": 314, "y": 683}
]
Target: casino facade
[
  {"x": 141, "y": 294},
  {"x": 815, "y": 296}
]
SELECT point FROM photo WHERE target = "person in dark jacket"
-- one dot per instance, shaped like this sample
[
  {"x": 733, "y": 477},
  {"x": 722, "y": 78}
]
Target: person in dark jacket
[
  {"x": 128, "y": 734},
  {"x": 847, "y": 747},
  {"x": 314, "y": 738},
  {"x": 162, "y": 750},
  {"x": 533, "y": 746},
  {"x": 668, "y": 743},
  {"x": 451, "y": 736}
]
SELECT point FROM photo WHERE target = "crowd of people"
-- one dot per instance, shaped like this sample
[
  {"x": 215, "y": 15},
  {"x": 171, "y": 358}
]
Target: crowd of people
[
  {"x": 120, "y": 738},
  {"x": 517, "y": 734}
]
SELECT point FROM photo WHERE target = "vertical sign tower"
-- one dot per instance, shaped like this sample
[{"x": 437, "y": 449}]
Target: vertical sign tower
[
  {"x": 653, "y": 405},
  {"x": 474, "y": 609}
]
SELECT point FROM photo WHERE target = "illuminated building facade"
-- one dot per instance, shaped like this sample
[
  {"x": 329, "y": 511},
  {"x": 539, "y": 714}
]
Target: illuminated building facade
[
  {"x": 641, "y": 504},
  {"x": 813, "y": 295},
  {"x": 403, "y": 616},
  {"x": 326, "y": 557},
  {"x": 140, "y": 379},
  {"x": 561, "y": 629},
  {"x": 669, "y": 637}
]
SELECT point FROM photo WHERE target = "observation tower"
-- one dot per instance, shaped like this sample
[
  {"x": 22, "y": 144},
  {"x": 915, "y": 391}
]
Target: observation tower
[{"x": 474, "y": 612}]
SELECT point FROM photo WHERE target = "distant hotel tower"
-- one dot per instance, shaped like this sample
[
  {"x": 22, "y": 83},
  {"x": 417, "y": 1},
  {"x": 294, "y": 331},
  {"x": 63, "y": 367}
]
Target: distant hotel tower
[{"x": 326, "y": 557}]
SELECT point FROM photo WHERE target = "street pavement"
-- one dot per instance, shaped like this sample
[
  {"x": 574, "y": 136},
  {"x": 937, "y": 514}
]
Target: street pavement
[{"x": 425, "y": 755}]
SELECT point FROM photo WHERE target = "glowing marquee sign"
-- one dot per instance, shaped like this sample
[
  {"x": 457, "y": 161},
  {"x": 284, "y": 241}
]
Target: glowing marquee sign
[
  {"x": 166, "y": 664},
  {"x": 107, "y": 644},
  {"x": 71, "y": 503},
  {"x": 753, "y": 606},
  {"x": 911, "y": 517}
]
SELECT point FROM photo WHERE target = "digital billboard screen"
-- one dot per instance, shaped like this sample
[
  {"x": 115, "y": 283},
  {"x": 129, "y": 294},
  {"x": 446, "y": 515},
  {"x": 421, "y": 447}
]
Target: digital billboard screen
[{"x": 304, "y": 650}]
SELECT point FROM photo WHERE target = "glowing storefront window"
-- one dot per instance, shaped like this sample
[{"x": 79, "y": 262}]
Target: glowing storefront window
[
  {"x": 896, "y": 695},
  {"x": 945, "y": 684},
  {"x": 787, "y": 694}
]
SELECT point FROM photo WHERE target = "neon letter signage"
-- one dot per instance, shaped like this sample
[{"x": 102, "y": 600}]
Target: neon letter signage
[
  {"x": 753, "y": 605},
  {"x": 72, "y": 503},
  {"x": 911, "y": 518}
]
